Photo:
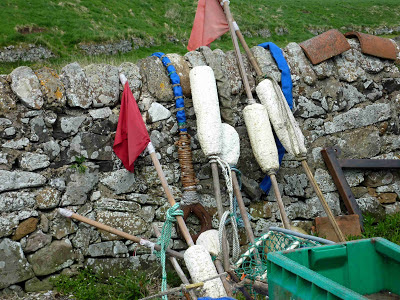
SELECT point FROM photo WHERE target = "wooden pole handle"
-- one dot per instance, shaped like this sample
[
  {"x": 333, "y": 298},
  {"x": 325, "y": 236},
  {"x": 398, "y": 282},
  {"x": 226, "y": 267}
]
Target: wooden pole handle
[
  {"x": 284, "y": 217},
  {"x": 321, "y": 198},
  {"x": 170, "y": 197},
  {"x": 114, "y": 231},
  {"x": 242, "y": 208}
]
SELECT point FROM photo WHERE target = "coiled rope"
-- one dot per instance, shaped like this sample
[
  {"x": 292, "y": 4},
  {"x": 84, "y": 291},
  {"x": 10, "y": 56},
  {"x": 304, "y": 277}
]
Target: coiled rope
[
  {"x": 164, "y": 240},
  {"x": 231, "y": 214}
]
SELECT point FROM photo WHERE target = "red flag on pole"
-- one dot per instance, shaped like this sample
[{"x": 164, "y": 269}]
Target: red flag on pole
[
  {"x": 209, "y": 24},
  {"x": 131, "y": 137}
]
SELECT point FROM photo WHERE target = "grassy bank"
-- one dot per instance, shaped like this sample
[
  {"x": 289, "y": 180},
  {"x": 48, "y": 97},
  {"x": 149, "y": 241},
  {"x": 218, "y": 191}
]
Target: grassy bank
[{"x": 166, "y": 25}]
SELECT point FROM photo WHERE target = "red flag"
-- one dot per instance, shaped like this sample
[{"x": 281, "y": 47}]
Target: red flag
[
  {"x": 209, "y": 24},
  {"x": 131, "y": 137}
]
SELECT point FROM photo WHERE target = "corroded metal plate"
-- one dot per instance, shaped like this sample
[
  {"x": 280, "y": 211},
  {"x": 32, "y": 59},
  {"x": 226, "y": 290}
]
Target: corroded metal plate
[
  {"x": 325, "y": 46},
  {"x": 374, "y": 45}
]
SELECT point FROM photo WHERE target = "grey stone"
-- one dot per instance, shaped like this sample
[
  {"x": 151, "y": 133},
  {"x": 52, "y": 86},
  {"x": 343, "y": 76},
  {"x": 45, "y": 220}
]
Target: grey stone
[
  {"x": 128, "y": 222},
  {"x": 195, "y": 59},
  {"x": 122, "y": 181},
  {"x": 157, "y": 112},
  {"x": 52, "y": 88},
  {"x": 26, "y": 86},
  {"x": 295, "y": 184},
  {"x": 306, "y": 108},
  {"x": 77, "y": 87},
  {"x": 148, "y": 213},
  {"x": 61, "y": 226},
  {"x": 15, "y": 201},
  {"x": 39, "y": 129},
  {"x": 368, "y": 204},
  {"x": 359, "y": 117},
  {"x": 117, "y": 205},
  {"x": 104, "y": 81},
  {"x": 155, "y": 76},
  {"x": 10, "y": 131},
  {"x": 324, "y": 180},
  {"x": 70, "y": 125},
  {"x": 29, "y": 52},
  {"x": 92, "y": 146},
  {"x": 353, "y": 177},
  {"x": 101, "y": 249},
  {"x": 10, "y": 221},
  {"x": 19, "y": 179},
  {"x": 47, "y": 198},
  {"x": 119, "y": 248},
  {"x": 58, "y": 183},
  {"x": 352, "y": 96},
  {"x": 113, "y": 48},
  {"x": 52, "y": 149},
  {"x": 33, "y": 161},
  {"x": 5, "y": 122},
  {"x": 299, "y": 64},
  {"x": 7, "y": 98},
  {"x": 16, "y": 144},
  {"x": 348, "y": 66},
  {"x": 14, "y": 267},
  {"x": 79, "y": 186},
  {"x": 182, "y": 69},
  {"x": 84, "y": 236},
  {"x": 36, "y": 241},
  {"x": 112, "y": 266},
  {"x": 54, "y": 257},
  {"x": 37, "y": 285},
  {"x": 266, "y": 62},
  {"x": 132, "y": 73},
  {"x": 101, "y": 113},
  {"x": 145, "y": 199},
  {"x": 159, "y": 139}
]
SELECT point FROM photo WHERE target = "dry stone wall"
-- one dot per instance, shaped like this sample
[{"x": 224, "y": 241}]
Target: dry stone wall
[{"x": 48, "y": 120}]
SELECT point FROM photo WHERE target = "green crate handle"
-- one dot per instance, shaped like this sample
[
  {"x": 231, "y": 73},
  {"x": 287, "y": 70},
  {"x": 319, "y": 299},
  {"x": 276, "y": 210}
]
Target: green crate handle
[{"x": 321, "y": 255}]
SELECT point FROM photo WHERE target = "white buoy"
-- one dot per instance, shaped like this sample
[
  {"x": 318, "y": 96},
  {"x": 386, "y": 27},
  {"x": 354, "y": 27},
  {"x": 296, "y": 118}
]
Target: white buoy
[
  {"x": 206, "y": 108},
  {"x": 281, "y": 118},
  {"x": 201, "y": 267},
  {"x": 209, "y": 239},
  {"x": 230, "y": 145},
  {"x": 261, "y": 137}
]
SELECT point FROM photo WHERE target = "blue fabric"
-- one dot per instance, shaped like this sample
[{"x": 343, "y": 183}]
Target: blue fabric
[
  {"x": 179, "y": 101},
  {"x": 287, "y": 86}
]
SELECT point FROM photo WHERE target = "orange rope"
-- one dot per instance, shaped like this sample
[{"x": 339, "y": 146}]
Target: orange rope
[{"x": 188, "y": 176}]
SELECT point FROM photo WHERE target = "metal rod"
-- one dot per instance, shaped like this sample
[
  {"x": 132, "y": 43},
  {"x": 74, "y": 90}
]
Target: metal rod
[{"x": 303, "y": 236}]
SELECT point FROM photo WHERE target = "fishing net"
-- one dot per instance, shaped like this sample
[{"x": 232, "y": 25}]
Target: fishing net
[{"x": 252, "y": 264}]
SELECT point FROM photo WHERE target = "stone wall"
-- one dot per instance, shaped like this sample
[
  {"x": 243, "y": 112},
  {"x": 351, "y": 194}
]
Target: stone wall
[{"x": 49, "y": 120}]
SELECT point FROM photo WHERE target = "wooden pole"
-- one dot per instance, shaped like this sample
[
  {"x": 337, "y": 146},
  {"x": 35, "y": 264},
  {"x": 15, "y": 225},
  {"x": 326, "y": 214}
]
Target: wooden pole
[
  {"x": 69, "y": 214},
  {"x": 242, "y": 208},
  {"x": 225, "y": 283},
  {"x": 321, "y": 198},
  {"x": 177, "y": 267},
  {"x": 220, "y": 209},
  {"x": 284, "y": 217}
]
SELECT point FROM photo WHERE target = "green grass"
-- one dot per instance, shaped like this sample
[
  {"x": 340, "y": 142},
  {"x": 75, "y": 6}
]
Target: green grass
[
  {"x": 166, "y": 25},
  {"x": 387, "y": 227}
]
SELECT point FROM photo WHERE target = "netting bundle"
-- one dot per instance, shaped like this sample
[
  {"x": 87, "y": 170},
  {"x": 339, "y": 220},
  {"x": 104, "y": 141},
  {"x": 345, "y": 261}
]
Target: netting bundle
[{"x": 252, "y": 264}]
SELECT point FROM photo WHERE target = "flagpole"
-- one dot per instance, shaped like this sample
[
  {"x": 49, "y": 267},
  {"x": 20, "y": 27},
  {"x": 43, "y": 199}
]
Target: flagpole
[{"x": 164, "y": 183}]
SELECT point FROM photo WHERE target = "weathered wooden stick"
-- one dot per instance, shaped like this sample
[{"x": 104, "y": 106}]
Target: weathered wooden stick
[
  {"x": 285, "y": 219},
  {"x": 242, "y": 208},
  {"x": 176, "y": 266},
  {"x": 220, "y": 270},
  {"x": 69, "y": 214},
  {"x": 325, "y": 205},
  {"x": 220, "y": 209}
]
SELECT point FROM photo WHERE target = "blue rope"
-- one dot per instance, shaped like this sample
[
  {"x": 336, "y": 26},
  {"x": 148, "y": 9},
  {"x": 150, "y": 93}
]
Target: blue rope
[
  {"x": 177, "y": 89},
  {"x": 238, "y": 217},
  {"x": 287, "y": 86}
]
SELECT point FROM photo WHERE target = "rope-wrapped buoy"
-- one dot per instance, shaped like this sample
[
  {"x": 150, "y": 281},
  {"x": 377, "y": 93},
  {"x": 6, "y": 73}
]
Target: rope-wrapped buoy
[
  {"x": 206, "y": 107},
  {"x": 281, "y": 117},
  {"x": 261, "y": 137},
  {"x": 200, "y": 266},
  {"x": 230, "y": 145}
]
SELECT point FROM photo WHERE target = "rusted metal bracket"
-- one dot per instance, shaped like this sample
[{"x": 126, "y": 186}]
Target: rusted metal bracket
[
  {"x": 374, "y": 45},
  {"x": 325, "y": 46},
  {"x": 335, "y": 167}
]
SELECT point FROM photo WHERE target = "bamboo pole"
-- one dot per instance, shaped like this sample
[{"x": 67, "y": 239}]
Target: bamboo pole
[{"x": 69, "y": 214}]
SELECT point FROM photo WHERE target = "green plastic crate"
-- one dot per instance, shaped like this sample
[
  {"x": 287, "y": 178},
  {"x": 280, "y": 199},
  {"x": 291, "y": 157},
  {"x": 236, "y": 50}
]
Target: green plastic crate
[{"x": 341, "y": 271}]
